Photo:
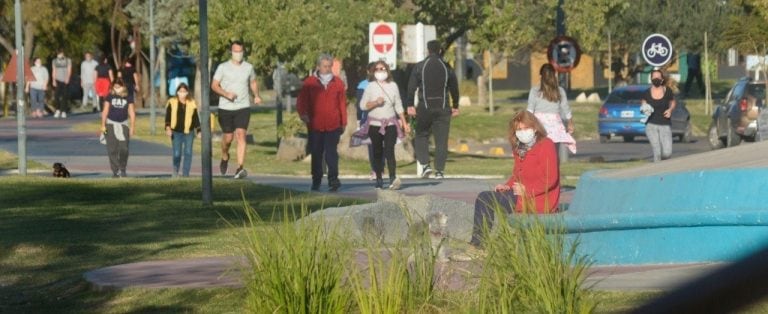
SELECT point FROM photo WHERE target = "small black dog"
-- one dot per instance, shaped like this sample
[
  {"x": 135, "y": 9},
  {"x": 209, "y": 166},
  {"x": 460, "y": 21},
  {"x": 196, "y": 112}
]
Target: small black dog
[{"x": 59, "y": 171}]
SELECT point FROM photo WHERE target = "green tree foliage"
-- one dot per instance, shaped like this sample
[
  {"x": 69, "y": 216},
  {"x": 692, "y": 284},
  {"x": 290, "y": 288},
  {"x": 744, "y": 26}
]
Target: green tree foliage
[
  {"x": 746, "y": 29},
  {"x": 507, "y": 26},
  {"x": 75, "y": 25},
  {"x": 586, "y": 21},
  {"x": 169, "y": 18},
  {"x": 292, "y": 31}
]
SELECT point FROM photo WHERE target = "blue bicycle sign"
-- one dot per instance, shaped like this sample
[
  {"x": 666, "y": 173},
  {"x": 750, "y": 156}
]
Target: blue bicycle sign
[{"x": 657, "y": 50}]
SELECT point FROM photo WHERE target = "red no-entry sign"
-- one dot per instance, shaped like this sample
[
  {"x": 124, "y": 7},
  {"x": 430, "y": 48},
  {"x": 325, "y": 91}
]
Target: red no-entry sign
[
  {"x": 383, "y": 43},
  {"x": 383, "y": 38}
]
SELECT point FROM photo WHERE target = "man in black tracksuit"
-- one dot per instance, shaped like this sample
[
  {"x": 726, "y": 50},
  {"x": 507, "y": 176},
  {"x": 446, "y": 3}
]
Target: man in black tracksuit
[{"x": 434, "y": 80}]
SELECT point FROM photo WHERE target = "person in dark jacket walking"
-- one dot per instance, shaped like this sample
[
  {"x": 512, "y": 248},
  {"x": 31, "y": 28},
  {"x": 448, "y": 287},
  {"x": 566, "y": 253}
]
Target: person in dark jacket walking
[
  {"x": 434, "y": 80},
  {"x": 322, "y": 105}
]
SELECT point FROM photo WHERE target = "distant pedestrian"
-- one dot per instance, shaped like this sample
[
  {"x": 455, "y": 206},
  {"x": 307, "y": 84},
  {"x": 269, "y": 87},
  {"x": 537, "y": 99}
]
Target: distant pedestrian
[
  {"x": 62, "y": 73},
  {"x": 322, "y": 105},
  {"x": 118, "y": 122},
  {"x": 386, "y": 122},
  {"x": 232, "y": 81},
  {"x": 37, "y": 88},
  {"x": 104, "y": 78},
  {"x": 435, "y": 80},
  {"x": 534, "y": 186},
  {"x": 88, "y": 80},
  {"x": 660, "y": 102},
  {"x": 694, "y": 73},
  {"x": 182, "y": 124},
  {"x": 130, "y": 77},
  {"x": 549, "y": 103}
]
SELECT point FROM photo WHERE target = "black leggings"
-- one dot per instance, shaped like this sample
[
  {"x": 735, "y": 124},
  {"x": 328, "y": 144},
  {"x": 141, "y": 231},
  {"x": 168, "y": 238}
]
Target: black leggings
[{"x": 383, "y": 147}]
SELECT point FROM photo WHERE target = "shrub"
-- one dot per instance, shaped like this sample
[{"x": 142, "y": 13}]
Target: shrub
[
  {"x": 531, "y": 267},
  {"x": 295, "y": 267}
]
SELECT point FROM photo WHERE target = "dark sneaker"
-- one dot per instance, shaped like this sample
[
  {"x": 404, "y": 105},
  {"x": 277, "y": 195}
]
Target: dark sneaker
[
  {"x": 439, "y": 175},
  {"x": 334, "y": 185},
  {"x": 315, "y": 187},
  {"x": 122, "y": 174},
  {"x": 241, "y": 173},
  {"x": 426, "y": 171},
  {"x": 223, "y": 166},
  {"x": 379, "y": 183}
]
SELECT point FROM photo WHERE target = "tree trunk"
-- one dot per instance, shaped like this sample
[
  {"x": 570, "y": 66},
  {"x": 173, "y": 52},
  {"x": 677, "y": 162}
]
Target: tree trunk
[
  {"x": 29, "y": 40},
  {"x": 482, "y": 90},
  {"x": 198, "y": 84},
  {"x": 163, "y": 73}
]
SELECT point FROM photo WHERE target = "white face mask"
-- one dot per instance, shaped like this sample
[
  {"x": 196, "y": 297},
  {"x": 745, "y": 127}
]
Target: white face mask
[
  {"x": 237, "y": 56},
  {"x": 381, "y": 76},
  {"x": 525, "y": 136},
  {"x": 326, "y": 77}
]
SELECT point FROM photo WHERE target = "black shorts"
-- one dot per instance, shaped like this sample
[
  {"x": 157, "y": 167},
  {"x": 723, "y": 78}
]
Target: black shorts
[{"x": 229, "y": 120}]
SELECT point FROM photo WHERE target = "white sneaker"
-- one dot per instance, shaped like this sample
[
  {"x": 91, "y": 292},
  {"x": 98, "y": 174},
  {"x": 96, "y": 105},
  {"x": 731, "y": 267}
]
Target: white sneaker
[
  {"x": 63, "y": 115},
  {"x": 57, "y": 114},
  {"x": 395, "y": 185}
]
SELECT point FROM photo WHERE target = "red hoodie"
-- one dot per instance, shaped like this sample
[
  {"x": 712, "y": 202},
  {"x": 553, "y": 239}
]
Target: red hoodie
[
  {"x": 539, "y": 174},
  {"x": 326, "y": 106}
]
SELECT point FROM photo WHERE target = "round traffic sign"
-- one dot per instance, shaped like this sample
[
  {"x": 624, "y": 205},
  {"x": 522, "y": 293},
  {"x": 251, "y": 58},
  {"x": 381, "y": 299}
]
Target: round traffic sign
[
  {"x": 657, "y": 50},
  {"x": 564, "y": 53},
  {"x": 383, "y": 38}
]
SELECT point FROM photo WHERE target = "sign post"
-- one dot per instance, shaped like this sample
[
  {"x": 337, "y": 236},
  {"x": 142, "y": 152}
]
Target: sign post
[
  {"x": 657, "y": 50},
  {"x": 382, "y": 44}
]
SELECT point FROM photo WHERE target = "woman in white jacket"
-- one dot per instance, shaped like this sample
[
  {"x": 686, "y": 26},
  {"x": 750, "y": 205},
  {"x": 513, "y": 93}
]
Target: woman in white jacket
[{"x": 386, "y": 122}]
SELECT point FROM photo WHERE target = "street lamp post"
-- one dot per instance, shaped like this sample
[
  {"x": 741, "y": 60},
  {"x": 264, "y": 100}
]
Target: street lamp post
[
  {"x": 21, "y": 126},
  {"x": 152, "y": 60},
  {"x": 205, "y": 106}
]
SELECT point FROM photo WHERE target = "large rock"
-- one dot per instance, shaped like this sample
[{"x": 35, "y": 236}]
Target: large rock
[
  {"x": 394, "y": 216},
  {"x": 292, "y": 149}
]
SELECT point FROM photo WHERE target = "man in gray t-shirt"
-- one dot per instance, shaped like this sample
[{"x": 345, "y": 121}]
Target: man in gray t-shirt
[
  {"x": 62, "y": 71},
  {"x": 231, "y": 82}
]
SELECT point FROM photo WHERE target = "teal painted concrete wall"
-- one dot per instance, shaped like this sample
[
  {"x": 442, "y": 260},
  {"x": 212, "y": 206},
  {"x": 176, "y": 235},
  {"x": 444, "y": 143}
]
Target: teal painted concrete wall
[{"x": 687, "y": 217}]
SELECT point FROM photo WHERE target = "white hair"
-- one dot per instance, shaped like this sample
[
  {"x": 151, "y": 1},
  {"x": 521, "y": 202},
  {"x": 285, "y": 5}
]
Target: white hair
[{"x": 323, "y": 57}]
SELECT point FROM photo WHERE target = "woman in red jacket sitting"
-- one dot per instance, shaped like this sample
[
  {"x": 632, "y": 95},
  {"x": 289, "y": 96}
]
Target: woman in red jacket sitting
[{"x": 534, "y": 186}]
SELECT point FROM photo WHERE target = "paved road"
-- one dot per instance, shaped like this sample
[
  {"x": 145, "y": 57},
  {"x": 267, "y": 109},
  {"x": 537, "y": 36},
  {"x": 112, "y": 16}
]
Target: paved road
[{"x": 640, "y": 149}]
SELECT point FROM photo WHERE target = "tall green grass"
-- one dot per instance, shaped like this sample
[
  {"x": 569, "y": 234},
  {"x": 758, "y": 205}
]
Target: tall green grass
[
  {"x": 307, "y": 266},
  {"x": 296, "y": 266},
  {"x": 531, "y": 267}
]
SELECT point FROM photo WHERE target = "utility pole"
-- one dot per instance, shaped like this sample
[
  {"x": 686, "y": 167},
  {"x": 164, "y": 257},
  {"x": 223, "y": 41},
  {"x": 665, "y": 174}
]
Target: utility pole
[
  {"x": 610, "y": 64},
  {"x": 21, "y": 124},
  {"x": 205, "y": 110},
  {"x": 152, "y": 60}
]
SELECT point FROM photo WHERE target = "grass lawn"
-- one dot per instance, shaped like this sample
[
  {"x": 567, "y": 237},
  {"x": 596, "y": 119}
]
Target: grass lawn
[{"x": 52, "y": 231}]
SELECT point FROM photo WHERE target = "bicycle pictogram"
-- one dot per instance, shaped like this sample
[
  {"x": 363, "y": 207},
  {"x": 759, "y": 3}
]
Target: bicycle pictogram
[{"x": 657, "y": 48}]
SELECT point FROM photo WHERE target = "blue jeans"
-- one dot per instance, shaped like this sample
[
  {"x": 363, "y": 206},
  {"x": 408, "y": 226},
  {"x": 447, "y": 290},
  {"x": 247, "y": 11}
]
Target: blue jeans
[{"x": 182, "y": 143}]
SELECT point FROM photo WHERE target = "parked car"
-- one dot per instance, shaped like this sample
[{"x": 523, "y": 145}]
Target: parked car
[
  {"x": 735, "y": 119},
  {"x": 620, "y": 116}
]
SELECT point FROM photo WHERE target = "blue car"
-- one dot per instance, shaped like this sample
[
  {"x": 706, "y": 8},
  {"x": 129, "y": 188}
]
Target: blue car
[{"x": 620, "y": 116}]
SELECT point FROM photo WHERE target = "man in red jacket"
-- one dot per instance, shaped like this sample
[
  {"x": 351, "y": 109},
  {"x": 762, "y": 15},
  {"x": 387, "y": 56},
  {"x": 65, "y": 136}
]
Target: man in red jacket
[{"x": 322, "y": 105}]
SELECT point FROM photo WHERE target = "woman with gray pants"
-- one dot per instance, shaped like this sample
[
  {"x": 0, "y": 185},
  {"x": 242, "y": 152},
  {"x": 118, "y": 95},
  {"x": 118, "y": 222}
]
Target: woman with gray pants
[{"x": 660, "y": 102}]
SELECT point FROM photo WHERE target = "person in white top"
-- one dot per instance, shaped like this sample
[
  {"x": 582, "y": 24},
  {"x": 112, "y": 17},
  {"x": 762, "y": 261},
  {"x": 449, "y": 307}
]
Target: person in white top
[
  {"x": 88, "y": 79},
  {"x": 37, "y": 88},
  {"x": 232, "y": 81},
  {"x": 386, "y": 122}
]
